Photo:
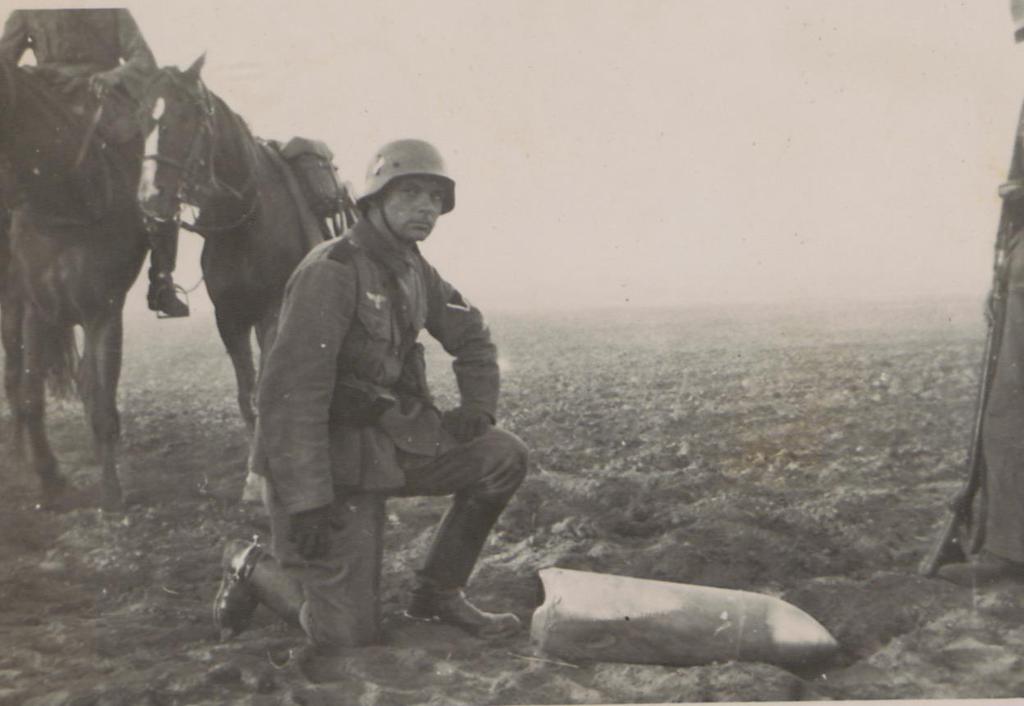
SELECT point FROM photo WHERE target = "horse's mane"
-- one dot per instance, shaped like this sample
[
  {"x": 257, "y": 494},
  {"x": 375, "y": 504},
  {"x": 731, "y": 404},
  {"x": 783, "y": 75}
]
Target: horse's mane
[
  {"x": 227, "y": 123},
  {"x": 238, "y": 126}
]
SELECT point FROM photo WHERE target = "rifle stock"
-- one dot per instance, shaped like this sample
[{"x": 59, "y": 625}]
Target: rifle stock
[{"x": 948, "y": 546}]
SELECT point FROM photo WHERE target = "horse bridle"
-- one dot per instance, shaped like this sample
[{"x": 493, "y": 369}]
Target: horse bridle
[{"x": 198, "y": 178}]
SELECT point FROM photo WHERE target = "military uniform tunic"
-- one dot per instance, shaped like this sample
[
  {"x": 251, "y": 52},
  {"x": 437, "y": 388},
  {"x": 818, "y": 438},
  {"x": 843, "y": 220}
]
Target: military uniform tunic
[
  {"x": 352, "y": 311},
  {"x": 73, "y": 44}
]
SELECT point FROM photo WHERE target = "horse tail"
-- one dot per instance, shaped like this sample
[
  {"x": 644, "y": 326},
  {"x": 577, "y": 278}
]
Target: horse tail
[
  {"x": 61, "y": 349},
  {"x": 62, "y": 362}
]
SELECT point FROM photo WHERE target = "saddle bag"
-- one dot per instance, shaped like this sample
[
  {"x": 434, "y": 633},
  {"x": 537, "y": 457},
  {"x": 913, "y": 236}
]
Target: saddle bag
[{"x": 312, "y": 162}]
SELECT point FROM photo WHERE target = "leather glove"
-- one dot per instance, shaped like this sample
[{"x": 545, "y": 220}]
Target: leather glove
[
  {"x": 103, "y": 82},
  {"x": 466, "y": 423},
  {"x": 310, "y": 531}
]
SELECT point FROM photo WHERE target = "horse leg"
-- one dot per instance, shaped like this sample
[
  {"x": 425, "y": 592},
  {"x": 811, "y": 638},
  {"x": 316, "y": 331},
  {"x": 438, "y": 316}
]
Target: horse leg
[
  {"x": 266, "y": 329},
  {"x": 11, "y": 313},
  {"x": 266, "y": 332},
  {"x": 101, "y": 370},
  {"x": 31, "y": 401},
  {"x": 236, "y": 338}
]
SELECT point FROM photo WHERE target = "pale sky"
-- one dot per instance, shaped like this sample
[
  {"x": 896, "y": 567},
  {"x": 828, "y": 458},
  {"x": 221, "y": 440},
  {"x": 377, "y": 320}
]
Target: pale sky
[{"x": 650, "y": 152}]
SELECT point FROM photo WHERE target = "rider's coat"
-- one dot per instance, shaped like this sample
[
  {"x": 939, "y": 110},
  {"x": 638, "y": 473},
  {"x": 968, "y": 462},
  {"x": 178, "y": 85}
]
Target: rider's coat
[{"x": 79, "y": 43}]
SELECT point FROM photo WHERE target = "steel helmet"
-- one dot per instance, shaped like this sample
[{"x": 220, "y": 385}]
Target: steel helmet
[{"x": 407, "y": 158}]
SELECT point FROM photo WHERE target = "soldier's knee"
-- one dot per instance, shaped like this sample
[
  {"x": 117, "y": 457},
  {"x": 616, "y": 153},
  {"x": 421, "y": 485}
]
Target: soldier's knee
[
  {"x": 511, "y": 459},
  {"x": 508, "y": 447},
  {"x": 326, "y": 633},
  {"x": 330, "y": 629}
]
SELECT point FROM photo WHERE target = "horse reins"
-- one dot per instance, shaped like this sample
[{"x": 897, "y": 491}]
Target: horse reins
[{"x": 190, "y": 185}]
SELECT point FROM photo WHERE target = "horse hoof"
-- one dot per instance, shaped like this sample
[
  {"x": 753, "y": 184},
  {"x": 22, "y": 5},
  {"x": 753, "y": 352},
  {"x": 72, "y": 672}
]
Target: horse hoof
[
  {"x": 135, "y": 498},
  {"x": 113, "y": 501},
  {"x": 53, "y": 491}
]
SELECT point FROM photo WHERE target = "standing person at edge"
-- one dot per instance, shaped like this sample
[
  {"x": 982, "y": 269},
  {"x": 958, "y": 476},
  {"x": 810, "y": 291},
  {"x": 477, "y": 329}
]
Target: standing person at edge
[
  {"x": 346, "y": 419},
  {"x": 1002, "y": 555},
  {"x": 91, "y": 55}
]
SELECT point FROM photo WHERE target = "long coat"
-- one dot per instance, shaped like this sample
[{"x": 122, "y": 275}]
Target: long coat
[
  {"x": 1003, "y": 421},
  {"x": 351, "y": 313}
]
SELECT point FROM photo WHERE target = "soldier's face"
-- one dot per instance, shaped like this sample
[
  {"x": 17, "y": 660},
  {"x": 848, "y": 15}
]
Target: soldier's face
[{"x": 412, "y": 205}]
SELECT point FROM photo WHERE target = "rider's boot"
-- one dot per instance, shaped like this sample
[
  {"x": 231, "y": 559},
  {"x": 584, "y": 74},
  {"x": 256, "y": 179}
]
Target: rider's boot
[{"x": 163, "y": 244}]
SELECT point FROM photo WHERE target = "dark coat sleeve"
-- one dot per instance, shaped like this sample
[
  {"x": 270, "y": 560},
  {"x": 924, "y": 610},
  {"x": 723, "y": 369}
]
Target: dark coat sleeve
[
  {"x": 460, "y": 328},
  {"x": 14, "y": 41},
  {"x": 297, "y": 382},
  {"x": 139, "y": 62}
]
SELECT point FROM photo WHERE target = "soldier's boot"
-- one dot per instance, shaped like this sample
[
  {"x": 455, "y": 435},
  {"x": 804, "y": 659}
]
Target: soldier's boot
[
  {"x": 438, "y": 594},
  {"x": 251, "y": 577},
  {"x": 236, "y": 599},
  {"x": 982, "y": 570},
  {"x": 450, "y": 605},
  {"x": 162, "y": 297}
]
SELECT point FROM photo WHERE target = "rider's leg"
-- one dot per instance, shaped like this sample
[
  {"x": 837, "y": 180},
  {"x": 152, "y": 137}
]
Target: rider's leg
[{"x": 163, "y": 243}]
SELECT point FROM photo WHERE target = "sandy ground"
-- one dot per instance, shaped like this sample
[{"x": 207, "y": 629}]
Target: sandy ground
[{"x": 808, "y": 456}]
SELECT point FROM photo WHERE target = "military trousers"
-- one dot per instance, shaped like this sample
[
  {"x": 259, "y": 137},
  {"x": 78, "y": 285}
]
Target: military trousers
[
  {"x": 342, "y": 589},
  {"x": 1003, "y": 427}
]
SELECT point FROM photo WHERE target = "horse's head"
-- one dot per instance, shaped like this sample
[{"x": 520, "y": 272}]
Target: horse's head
[{"x": 178, "y": 165}]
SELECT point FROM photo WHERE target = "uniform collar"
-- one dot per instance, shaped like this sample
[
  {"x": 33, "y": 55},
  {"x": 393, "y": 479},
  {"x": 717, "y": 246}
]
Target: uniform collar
[{"x": 384, "y": 247}]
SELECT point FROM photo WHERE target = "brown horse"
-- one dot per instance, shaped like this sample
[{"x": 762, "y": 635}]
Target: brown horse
[
  {"x": 255, "y": 225},
  {"x": 76, "y": 243}
]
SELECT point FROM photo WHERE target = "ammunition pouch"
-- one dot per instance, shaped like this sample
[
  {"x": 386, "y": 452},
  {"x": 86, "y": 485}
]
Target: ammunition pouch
[
  {"x": 357, "y": 403},
  {"x": 412, "y": 381}
]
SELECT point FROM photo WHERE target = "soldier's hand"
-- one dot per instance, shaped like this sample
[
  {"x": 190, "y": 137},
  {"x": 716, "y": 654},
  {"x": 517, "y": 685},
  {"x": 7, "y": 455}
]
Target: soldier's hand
[
  {"x": 466, "y": 423},
  {"x": 103, "y": 82},
  {"x": 1011, "y": 190},
  {"x": 995, "y": 304},
  {"x": 310, "y": 531}
]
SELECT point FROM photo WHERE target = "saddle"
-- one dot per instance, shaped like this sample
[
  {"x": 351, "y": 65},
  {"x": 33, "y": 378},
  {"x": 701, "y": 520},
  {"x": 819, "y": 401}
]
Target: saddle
[
  {"x": 116, "y": 119},
  {"x": 312, "y": 163},
  {"x": 107, "y": 143}
]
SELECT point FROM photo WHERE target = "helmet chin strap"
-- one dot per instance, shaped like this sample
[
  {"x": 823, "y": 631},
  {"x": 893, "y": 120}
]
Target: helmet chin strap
[{"x": 387, "y": 223}]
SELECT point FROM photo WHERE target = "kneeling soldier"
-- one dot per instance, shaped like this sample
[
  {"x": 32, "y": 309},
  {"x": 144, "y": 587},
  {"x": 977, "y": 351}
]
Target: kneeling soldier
[{"x": 346, "y": 419}]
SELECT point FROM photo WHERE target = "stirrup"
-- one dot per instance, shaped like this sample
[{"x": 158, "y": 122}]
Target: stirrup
[{"x": 177, "y": 289}]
